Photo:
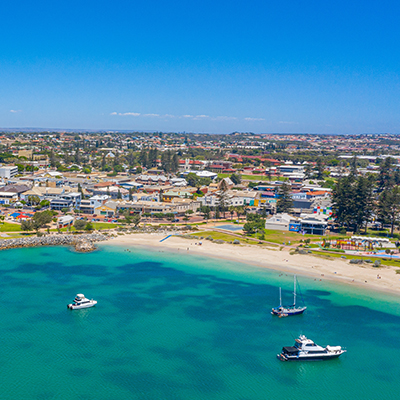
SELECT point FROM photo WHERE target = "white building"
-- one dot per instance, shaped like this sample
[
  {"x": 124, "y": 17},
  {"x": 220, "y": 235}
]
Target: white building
[
  {"x": 280, "y": 222},
  {"x": 8, "y": 172},
  {"x": 8, "y": 197},
  {"x": 64, "y": 221}
]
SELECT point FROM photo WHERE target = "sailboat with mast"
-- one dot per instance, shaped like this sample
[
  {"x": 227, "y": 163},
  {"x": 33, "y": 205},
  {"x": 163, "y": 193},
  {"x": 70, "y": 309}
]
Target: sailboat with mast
[{"x": 286, "y": 311}]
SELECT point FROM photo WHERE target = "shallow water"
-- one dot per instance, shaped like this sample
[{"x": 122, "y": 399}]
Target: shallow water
[{"x": 171, "y": 326}]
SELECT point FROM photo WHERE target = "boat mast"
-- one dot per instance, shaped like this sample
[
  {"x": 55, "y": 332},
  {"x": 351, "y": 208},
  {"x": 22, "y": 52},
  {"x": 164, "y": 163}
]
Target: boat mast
[
  {"x": 280, "y": 297},
  {"x": 294, "y": 292}
]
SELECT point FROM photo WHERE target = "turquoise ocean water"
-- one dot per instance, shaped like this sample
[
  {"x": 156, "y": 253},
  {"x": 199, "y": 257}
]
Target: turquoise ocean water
[{"x": 172, "y": 326}]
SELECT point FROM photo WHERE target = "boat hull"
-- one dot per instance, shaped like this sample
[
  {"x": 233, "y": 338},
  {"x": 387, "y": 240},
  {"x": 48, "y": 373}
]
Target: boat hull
[
  {"x": 78, "y": 307},
  {"x": 321, "y": 357},
  {"x": 288, "y": 312}
]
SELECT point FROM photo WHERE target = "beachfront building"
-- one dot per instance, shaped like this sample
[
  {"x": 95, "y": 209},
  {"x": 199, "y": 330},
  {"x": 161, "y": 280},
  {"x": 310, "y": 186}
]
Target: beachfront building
[
  {"x": 65, "y": 221},
  {"x": 74, "y": 197},
  {"x": 89, "y": 205},
  {"x": 283, "y": 222},
  {"x": 178, "y": 206},
  {"x": 106, "y": 210},
  {"x": 314, "y": 225}
]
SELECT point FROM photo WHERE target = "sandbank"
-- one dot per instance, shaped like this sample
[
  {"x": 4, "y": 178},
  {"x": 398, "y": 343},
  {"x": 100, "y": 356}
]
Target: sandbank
[{"x": 382, "y": 279}]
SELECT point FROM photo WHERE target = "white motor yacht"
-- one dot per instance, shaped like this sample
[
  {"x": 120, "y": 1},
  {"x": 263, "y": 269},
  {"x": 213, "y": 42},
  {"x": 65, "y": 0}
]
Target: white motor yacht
[
  {"x": 81, "y": 301},
  {"x": 306, "y": 349}
]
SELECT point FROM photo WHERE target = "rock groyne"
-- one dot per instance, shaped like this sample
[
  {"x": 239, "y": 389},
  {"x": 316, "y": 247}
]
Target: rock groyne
[{"x": 84, "y": 243}]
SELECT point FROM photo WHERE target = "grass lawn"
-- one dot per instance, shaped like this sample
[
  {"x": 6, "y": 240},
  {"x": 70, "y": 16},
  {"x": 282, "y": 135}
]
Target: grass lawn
[
  {"x": 394, "y": 262},
  {"x": 280, "y": 237},
  {"x": 16, "y": 235},
  {"x": 104, "y": 225},
  {"x": 227, "y": 237},
  {"x": 8, "y": 227},
  {"x": 96, "y": 225}
]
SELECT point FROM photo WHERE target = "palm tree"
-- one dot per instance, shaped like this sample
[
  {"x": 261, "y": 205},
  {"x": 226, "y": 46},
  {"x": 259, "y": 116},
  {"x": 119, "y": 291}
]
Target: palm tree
[
  {"x": 239, "y": 211},
  {"x": 232, "y": 210}
]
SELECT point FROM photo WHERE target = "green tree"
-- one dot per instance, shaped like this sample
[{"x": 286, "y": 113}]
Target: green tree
[
  {"x": 80, "y": 224},
  {"x": 363, "y": 203},
  {"x": 44, "y": 203},
  {"x": 206, "y": 211},
  {"x": 239, "y": 211},
  {"x": 320, "y": 168},
  {"x": 130, "y": 158},
  {"x": 143, "y": 159},
  {"x": 166, "y": 161},
  {"x": 118, "y": 168},
  {"x": 231, "y": 210},
  {"x": 308, "y": 171},
  {"x": 386, "y": 176},
  {"x": 33, "y": 200},
  {"x": 136, "y": 218},
  {"x": 26, "y": 225},
  {"x": 285, "y": 202},
  {"x": 152, "y": 158},
  {"x": 236, "y": 179},
  {"x": 175, "y": 163},
  {"x": 353, "y": 201},
  {"x": 388, "y": 209},
  {"x": 40, "y": 219},
  {"x": 89, "y": 226},
  {"x": 53, "y": 160},
  {"x": 192, "y": 179},
  {"x": 255, "y": 224}
]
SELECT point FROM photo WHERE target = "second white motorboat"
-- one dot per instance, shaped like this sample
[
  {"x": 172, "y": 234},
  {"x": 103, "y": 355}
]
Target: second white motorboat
[
  {"x": 306, "y": 349},
  {"x": 81, "y": 301}
]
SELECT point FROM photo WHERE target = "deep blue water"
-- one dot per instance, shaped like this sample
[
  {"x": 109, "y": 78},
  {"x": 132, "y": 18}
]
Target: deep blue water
[{"x": 171, "y": 326}]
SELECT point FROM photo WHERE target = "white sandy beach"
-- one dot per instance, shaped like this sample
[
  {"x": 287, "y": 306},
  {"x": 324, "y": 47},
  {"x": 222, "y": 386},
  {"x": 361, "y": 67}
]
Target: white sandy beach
[{"x": 281, "y": 260}]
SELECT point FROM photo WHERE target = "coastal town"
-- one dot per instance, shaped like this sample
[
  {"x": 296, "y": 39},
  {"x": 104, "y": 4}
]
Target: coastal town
[
  {"x": 199, "y": 200},
  {"x": 290, "y": 190}
]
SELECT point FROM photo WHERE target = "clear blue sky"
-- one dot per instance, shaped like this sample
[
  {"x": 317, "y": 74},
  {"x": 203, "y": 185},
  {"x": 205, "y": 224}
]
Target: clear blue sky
[{"x": 201, "y": 66}]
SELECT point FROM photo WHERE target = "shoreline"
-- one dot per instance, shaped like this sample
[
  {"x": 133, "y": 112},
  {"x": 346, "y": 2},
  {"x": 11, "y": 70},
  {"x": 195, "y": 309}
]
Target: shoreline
[{"x": 337, "y": 270}]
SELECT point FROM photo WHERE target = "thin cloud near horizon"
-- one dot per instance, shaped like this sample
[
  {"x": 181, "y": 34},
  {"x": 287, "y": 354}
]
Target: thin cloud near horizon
[{"x": 199, "y": 117}]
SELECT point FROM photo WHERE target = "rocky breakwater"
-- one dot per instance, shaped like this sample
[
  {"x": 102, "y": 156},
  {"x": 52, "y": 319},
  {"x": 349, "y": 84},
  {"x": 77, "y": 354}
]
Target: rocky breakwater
[{"x": 84, "y": 243}]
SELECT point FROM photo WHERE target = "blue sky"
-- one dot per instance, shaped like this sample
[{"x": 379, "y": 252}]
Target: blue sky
[{"x": 209, "y": 66}]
